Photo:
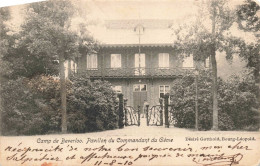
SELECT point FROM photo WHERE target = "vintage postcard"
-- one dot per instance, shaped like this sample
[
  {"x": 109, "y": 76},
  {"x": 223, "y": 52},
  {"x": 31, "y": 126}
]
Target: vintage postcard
[{"x": 130, "y": 82}]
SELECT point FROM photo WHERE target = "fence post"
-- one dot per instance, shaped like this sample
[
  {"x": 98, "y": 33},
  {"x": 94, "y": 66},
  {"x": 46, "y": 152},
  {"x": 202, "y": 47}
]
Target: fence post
[
  {"x": 161, "y": 111},
  {"x": 139, "y": 112},
  {"x": 125, "y": 104},
  {"x": 166, "y": 100},
  {"x": 146, "y": 112},
  {"x": 121, "y": 111}
]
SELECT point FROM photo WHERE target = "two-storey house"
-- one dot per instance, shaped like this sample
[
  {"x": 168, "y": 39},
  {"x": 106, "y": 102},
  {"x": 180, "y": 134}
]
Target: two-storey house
[{"x": 138, "y": 59}]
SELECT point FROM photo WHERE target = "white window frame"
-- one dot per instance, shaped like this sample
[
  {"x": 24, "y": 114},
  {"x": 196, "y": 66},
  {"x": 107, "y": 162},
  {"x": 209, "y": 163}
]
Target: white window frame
[
  {"x": 164, "y": 91},
  {"x": 140, "y": 88},
  {"x": 164, "y": 60},
  {"x": 91, "y": 65},
  {"x": 115, "y": 64}
]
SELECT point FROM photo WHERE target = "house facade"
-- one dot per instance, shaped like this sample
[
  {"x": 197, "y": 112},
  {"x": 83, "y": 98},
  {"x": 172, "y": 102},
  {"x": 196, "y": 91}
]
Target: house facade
[{"x": 141, "y": 70}]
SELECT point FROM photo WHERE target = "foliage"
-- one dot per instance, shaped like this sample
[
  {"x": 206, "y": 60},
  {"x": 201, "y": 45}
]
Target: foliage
[
  {"x": 238, "y": 98},
  {"x": 208, "y": 35},
  {"x": 197, "y": 37},
  {"x": 31, "y": 58},
  {"x": 236, "y": 101},
  {"x": 43, "y": 37},
  {"x": 250, "y": 52},
  {"x": 92, "y": 107},
  {"x": 247, "y": 16},
  {"x": 5, "y": 39},
  {"x": 249, "y": 21},
  {"x": 30, "y": 106}
]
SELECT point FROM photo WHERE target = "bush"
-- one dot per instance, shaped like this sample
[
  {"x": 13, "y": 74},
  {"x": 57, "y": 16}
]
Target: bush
[
  {"x": 238, "y": 97},
  {"x": 32, "y": 106},
  {"x": 236, "y": 100},
  {"x": 26, "y": 110},
  {"x": 92, "y": 107}
]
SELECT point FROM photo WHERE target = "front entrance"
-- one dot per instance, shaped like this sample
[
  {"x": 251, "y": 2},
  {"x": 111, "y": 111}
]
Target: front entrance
[{"x": 139, "y": 95}]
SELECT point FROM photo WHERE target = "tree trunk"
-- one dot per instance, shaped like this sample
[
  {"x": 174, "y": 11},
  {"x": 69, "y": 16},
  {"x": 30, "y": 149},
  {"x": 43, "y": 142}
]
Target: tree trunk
[
  {"x": 214, "y": 91},
  {"x": 63, "y": 95},
  {"x": 0, "y": 116},
  {"x": 214, "y": 74}
]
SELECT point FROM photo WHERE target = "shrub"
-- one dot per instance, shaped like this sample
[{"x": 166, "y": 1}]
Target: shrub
[
  {"x": 32, "y": 106},
  {"x": 25, "y": 110},
  {"x": 238, "y": 97},
  {"x": 236, "y": 100},
  {"x": 92, "y": 107}
]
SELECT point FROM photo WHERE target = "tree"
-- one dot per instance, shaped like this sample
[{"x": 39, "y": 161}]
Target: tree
[
  {"x": 44, "y": 43},
  {"x": 237, "y": 100},
  {"x": 249, "y": 21},
  {"x": 4, "y": 16},
  {"x": 52, "y": 37},
  {"x": 207, "y": 36},
  {"x": 44, "y": 40}
]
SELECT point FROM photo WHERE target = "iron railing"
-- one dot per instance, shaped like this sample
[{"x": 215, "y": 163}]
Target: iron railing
[{"x": 136, "y": 72}]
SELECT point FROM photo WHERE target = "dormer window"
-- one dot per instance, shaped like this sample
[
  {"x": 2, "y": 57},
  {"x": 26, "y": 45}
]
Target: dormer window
[{"x": 139, "y": 29}]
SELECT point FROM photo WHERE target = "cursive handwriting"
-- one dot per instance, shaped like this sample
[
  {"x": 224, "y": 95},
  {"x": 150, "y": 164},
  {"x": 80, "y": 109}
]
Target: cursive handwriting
[
  {"x": 127, "y": 154},
  {"x": 222, "y": 159}
]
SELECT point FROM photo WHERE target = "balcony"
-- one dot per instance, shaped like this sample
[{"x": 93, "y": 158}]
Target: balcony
[{"x": 136, "y": 72}]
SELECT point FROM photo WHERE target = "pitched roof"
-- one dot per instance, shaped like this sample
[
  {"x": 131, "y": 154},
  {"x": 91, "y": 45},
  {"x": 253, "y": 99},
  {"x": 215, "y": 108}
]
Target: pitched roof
[
  {"x": 132, "y": 23},
  {"x": 136, "y": 45},
  {"x": 122, "y": 32}
]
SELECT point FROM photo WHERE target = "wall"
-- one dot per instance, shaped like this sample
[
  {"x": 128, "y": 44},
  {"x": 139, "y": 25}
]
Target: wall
[
  {"x": 152, "y": 88},
  {"x": 128, "y": 55}
]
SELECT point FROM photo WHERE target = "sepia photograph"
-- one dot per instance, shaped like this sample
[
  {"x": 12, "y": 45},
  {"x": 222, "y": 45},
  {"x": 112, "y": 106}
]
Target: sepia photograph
[{"x": 130, "y": 82}]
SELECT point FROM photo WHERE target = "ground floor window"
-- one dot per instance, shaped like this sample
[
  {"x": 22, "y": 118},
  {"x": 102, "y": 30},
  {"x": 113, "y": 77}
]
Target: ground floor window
[
  {"x": 140, "y": 87},
  {"x": 163, "y": 89}
]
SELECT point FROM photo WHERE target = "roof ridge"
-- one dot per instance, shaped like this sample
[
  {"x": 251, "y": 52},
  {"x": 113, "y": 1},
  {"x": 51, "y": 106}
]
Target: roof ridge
[{"x": 131, "y": 23}]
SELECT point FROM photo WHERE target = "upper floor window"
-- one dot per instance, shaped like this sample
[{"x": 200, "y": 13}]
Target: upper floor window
[
  {"x": 188, "y": 61},
  {"x": 163, "y": 60},
  {"x": 115, "y": 60},
  {"x": 92, "y": 61}
]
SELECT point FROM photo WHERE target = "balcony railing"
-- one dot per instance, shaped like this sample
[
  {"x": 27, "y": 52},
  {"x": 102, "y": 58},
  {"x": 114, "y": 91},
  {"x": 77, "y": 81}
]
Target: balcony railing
[{"x": 136, "y": 72}]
